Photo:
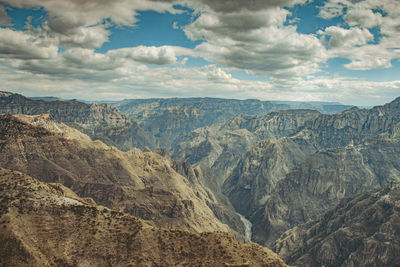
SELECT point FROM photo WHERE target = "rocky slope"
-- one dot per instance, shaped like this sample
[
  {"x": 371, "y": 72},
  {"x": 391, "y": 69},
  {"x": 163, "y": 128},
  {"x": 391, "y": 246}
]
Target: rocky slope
[
  {"x": 169, "y": 119},
  {"x": 221, "y": 146},
  {"x": 322, "y": 180},
  {"x": 99, "y": 121},
  {"x": 145, "y": 185},
  {"x": 361, "y": 231},
  {"x": 256, "y": 174},
  {"x": 254, "y": 178},
  {"x": 48, "y": 225}
]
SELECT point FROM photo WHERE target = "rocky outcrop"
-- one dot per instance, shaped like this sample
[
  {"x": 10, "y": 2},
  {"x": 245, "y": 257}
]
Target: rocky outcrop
[
  {"x": 48, "y": 225},
  {"x": 143, "y": 184},
  {"x": 170, "y": 119},
  {"x": 361, "y": 231},
  {"x": 99, "y": 121}
]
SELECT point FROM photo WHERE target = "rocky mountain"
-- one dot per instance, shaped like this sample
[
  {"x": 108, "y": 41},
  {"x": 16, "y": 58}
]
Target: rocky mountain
[
  {"x": 221, "y": 146},
  {"x": 99, "y": 121},
  {"x": 252, "y": 182},
  {"x": 362, "y": 230},
  {"x": 255, "y": 176},
  {"x": 48, "y": 225},
  {"x": 169, "y": 119},
  {"x": 145, "y": 184},
  {"x": 323, "y": 179}
]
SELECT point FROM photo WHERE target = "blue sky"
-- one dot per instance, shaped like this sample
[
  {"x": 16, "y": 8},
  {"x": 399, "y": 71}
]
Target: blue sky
[{"x": 301, "y": 50}]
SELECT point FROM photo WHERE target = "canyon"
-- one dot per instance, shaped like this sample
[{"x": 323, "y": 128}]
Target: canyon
[{"x": 293, "y": 177}]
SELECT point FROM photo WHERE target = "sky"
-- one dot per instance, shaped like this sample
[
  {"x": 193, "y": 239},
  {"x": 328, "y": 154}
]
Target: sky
[{"x": 300, "y": 50}]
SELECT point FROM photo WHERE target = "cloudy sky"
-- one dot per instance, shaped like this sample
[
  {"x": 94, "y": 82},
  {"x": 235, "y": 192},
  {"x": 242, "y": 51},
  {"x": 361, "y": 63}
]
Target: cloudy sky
[{"x": 346, "y": 51}]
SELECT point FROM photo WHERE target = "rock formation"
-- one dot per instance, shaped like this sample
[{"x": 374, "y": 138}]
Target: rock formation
[
  {"x": 362, "y": 230},
  {"x": 48, "y": 225}
]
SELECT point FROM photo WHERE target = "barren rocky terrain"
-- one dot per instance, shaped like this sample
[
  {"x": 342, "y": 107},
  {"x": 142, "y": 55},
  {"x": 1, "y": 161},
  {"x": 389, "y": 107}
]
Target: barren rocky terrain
[{"x": 46, "y": 224}]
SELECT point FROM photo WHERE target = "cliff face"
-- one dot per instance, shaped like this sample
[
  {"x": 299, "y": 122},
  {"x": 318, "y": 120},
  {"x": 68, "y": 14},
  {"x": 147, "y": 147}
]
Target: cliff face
[
  {"x": 352, "y": 126},
  {"x": 99, "y": 121},
  {"x": 48, "y": 225},
  {"x": 361, "y": 231},
  {"x": 323, "y": 179},
  {"x": 170, "y": 119},
  {"x": 221, "y": 146},
  {"x": 272, "y": 163},
  {"x": 254, "y": 178},
  {"x": 146, "y": 185}
]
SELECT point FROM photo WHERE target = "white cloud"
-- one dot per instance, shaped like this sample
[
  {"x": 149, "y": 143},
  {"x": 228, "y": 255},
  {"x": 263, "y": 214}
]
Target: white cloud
[
  {"x": 332, "y": 9},
  {"x": 340, "y": 37},
  {"x": 257, "y": 41},
  {"x": 363, "y": 17},
  {"x": 83, "y": 23},
  {"x": 150, "y": 54},
  {"x": 17, "y": 44},
  {"x": 218, "y": 75},
  {"x": 85, "y": 37},
  {"x": 233, "y": 6},
  {"x": 246, "y": 35},
  {"x": 132, "y": 81}
]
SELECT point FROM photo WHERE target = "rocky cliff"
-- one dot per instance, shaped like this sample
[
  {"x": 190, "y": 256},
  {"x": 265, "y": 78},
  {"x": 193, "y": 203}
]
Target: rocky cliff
[
  {"x": 253, "y": 180},
  {"x": 323, "y": 179},
  {"x": 99, "y": 121},
  {"x": 169, "y": 119},
  {"x": 362, "y": 230},
  {"x": 145, "y": 185},
  {"x": 221, "y": 146},
  {"x": 48, "y": 225}
]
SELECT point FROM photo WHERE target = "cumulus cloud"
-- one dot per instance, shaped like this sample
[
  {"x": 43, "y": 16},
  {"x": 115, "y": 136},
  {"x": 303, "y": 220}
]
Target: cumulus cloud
[
  {"x": 340, "y": 37},
  {"x": 242, "y": 34},
  {"x": 332, "y": 9},
  {"x": 248, "y": 35},
  {"x": 257, "y": 41},
  {"x": 363, "y": 17},
  {"x": 250, "y": 5},
  {"x": 150, "y": 54},
  {"x": 360, "y": 16},
  {"x": 142, "y": 82},
  {"x": 218, "y": 75},
  {"x": 22, "y": 45},
  {"x": 83, "y": 23}
]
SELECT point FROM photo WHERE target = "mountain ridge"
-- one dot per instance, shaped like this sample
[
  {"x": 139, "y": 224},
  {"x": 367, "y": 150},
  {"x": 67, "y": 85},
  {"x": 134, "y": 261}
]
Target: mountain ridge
[{"x": 99, "y": 121}]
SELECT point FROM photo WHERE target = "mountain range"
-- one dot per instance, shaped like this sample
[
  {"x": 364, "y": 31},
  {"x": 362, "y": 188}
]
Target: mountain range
[{"x": 315, "y": 182}]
